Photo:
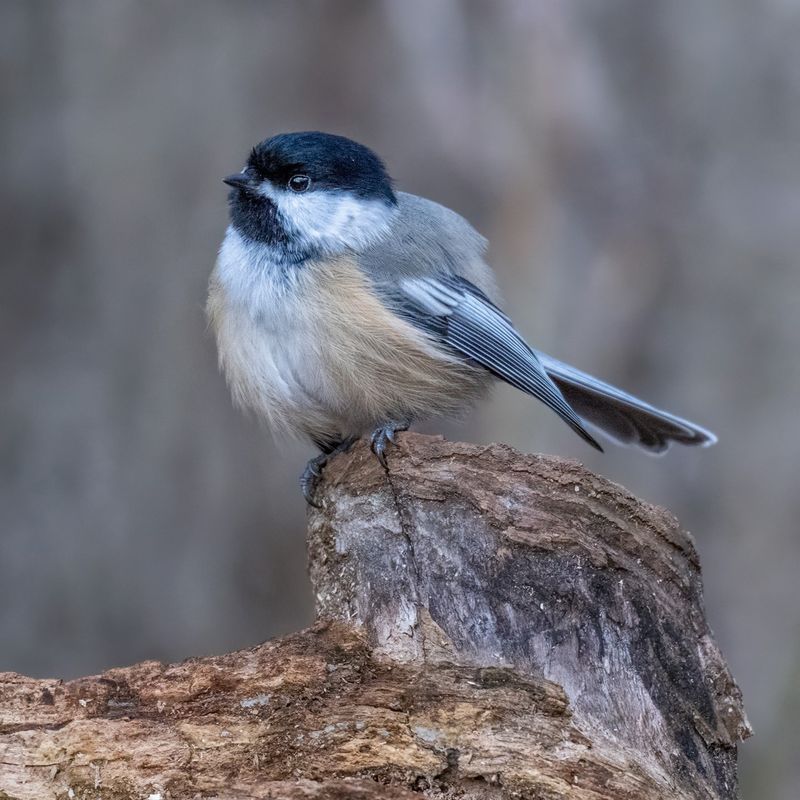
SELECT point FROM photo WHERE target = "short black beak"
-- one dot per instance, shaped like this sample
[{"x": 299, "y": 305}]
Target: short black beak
[{"x": 239, "y": 181}]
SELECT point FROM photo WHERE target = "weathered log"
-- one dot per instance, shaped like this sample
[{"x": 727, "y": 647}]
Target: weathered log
[{"x": 490, "y": 624}]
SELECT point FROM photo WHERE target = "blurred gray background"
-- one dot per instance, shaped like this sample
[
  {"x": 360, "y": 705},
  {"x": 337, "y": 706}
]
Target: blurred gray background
[{"x": 637, "y": 169}]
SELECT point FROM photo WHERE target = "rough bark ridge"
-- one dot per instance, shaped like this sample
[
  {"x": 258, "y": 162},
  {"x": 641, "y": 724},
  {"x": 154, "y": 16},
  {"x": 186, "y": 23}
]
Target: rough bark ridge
[{"x": 490, "y": 625}]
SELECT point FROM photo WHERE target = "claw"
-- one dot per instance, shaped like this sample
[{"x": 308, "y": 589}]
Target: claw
[
  {"x": 381, "y": 436},
  {"x": 378, "y": 444},
  {"x": 309, "y": 480}
]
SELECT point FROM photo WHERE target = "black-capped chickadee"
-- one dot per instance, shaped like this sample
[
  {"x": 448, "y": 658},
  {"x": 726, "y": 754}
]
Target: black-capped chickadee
[{"x": 341, "y": 307}]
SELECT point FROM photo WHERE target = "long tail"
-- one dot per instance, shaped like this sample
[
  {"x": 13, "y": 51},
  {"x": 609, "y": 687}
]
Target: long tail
[{"x": 621, "y": 416}]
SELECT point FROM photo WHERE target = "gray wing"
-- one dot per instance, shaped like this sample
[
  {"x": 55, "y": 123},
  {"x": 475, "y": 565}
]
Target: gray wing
[
  {"x": 461, "y": 317},
  {"x": 431, "y": 270},
  {"x": 621, "y": 416}
]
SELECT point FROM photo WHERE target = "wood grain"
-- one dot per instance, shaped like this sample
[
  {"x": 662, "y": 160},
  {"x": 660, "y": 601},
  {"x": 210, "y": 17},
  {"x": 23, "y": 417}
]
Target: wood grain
[{"x": 490, "y": 624}]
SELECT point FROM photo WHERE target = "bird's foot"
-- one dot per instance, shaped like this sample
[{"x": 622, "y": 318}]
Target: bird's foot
[
  {"x": 309, "y": 480},
  {"x": 382, "y": 436}
]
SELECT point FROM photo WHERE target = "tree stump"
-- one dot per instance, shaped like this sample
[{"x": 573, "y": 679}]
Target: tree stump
[{"x": 490, "y": 625}]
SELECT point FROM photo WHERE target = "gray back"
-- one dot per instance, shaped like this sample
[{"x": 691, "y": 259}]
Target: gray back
[{"x": 428, "y": 239}]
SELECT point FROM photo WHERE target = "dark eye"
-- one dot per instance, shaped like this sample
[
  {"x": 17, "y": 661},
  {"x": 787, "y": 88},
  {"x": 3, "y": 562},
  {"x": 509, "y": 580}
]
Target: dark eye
[{"x": 299, "y": 183}]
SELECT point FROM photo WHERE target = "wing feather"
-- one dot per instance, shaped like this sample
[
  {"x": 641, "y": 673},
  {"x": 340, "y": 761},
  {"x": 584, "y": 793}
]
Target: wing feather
[
  {"x": 620, "y": 415},
  {"x": 460, "y": 316}
]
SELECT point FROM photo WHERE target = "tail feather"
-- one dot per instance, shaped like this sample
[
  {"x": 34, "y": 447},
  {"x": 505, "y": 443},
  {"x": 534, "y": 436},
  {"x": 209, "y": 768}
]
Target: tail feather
[{"x": 621, "y": 416}]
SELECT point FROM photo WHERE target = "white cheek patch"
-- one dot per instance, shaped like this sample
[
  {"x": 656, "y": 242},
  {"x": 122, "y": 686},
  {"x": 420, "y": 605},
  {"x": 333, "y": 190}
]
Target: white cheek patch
[{"x": 332, "y": 220}]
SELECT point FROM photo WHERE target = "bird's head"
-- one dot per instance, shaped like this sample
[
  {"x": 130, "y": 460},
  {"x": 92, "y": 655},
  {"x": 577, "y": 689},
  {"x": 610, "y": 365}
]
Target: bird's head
[{"x": 311, "y": 194}]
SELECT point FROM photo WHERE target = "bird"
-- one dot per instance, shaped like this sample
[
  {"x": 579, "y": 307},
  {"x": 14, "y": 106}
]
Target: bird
[{"x": 342, "y": 306}]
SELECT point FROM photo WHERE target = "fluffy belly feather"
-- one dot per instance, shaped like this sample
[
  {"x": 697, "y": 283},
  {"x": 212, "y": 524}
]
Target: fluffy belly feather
[{"x": 318, "y": 354}]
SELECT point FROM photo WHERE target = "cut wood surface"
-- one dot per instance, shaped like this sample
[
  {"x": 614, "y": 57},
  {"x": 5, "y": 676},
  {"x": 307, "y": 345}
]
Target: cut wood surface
[{"x": 490, "y": 625}]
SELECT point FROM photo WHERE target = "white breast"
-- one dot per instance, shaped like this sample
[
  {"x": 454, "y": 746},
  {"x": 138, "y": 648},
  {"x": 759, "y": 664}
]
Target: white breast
[
  {"x": 311, "y": 349},
  {"x": 266, "y": 338}
]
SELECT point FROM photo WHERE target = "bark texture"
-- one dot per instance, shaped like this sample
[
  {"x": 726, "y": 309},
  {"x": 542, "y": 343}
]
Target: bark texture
[{"x": 490, "y": 625}]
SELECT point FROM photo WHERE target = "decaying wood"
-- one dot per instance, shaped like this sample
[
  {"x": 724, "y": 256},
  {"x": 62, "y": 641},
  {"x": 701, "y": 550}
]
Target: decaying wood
[{"x": 490, "y": 625}]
